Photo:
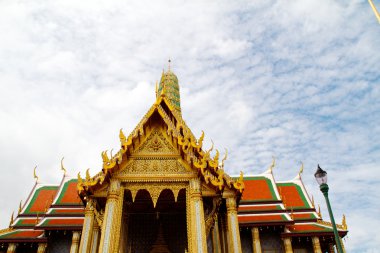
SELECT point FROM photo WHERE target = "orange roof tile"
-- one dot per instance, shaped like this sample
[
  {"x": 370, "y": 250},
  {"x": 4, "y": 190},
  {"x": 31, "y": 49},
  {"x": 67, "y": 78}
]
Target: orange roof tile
[{"x": 258, "y": 189}]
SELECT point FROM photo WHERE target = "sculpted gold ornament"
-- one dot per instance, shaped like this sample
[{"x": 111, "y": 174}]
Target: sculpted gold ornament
[
  {"x": 62, "y": 167},
  {"x": 35, "y": 174},
  {"x": 11, "y": 221},
  {"x": 239, "y": 184},
  {"x": 89, "y": 181}
]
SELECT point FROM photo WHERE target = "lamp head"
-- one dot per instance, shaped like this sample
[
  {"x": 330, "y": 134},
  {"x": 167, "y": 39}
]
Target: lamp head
[{"x": 321, "y": 176}]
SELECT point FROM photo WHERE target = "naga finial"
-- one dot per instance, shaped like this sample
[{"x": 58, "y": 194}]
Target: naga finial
[
  {"x": 301, "y": 170},
  {"x": 212, "y": 147},
  {"x": 88, "y": 177},
  {"x": 273, "y": 164},
  {"x": 12, "y": 219},
  {"x": 62, "y": 167},
  {"x": 35, "y": 174},
  {"x": 224, "y": 158},
  {"x": 20, "y": 207},
  {"x": 319, "y": 211}
]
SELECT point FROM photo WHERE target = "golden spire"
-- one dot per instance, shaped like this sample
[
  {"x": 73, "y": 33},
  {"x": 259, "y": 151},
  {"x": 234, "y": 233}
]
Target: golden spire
[
  {"x": 20, "y": 207},
  {"x": 11, "y": 221},
  {"x": 344, "y": 224},
  {"x": 319, "y": 211},
  {"x": 62, "y": 167},
  {"x": 301, "y": 170},
  {"x": 374, "y": 10},
  {"x": 272, "y": 165},
  {"x": 34, "y": 174}
]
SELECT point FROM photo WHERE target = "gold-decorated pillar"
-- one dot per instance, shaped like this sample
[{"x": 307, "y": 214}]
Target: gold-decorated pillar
[
  {"x": 12, "y": 248},
  {"x": 75, "y": 242},
  {"x": 233, "y": 226},
  {"x": 223, "y": 233},
  {"x": 197, "y": 237},
  {"x": 316, "y": 244},
  {"x": 109, "y": 242},
  {"x": 95, "y": 238},
  {"x": 288, "y": 244},
  {"x": 331, "y": 248},
  {"x": 88, "y": 226},
  {"x": 216, "y": 245},
  {"x": 256, "y": 246},
  {"x": 42, "y": 247}
]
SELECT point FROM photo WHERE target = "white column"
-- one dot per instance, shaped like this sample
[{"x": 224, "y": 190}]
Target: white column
[
  {"x": 233, "y": 225},
  {"x": 111, "y": 221},
  {"x": 316, "y": 244},
  {"x": 12, "y": 248},
  {"x": 86, "y": 239},
  {"x": 198, "y": 230},
  {"x": 75, "y": 242},
  {"x": 256, "y": 240},
  {"x": 41, "y": 247},
  {"x": 288, "y": 245}
]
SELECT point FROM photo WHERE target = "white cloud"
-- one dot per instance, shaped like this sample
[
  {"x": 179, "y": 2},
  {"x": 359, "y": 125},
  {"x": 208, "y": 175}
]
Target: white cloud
[{"x": 296, "y": 80}]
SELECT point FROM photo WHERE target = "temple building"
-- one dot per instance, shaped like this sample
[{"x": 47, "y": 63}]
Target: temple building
[{"x": 163, "y": 192}]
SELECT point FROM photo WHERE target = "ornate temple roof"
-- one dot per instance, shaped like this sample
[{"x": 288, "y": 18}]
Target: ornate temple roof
[
  {"x": 169, "y": 88},
  {"x": 263, "y": 202}
]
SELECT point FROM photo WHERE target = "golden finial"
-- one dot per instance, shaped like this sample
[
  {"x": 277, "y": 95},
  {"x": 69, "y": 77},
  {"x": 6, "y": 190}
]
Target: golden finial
[
  {"x": 34, "y": 174},
  {"x": 312, "y": 200},
  {"x": 11, "y": 222},
  {"x": 224, "y": 158},
  {"x": 374, "y": 10},
  {"x": 319, "y": 211},
  {"x": 20, "y": 207},
  {"x": 301, "y": 170},
  {"x": 62, "y": 167},
  {"x": 272, "y": 165},
  {"x": 344, "y": 224},
  {"x": 212, "y": 147},
  {"x": 88, "y": 177}
]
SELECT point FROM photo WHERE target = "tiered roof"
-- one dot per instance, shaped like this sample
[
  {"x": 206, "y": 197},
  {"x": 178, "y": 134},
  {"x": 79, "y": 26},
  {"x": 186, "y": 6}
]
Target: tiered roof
[
  {"x": 261, "y": 202},
  {"x": 266, "y": 202},
  {"x": 47, "y": 207}
]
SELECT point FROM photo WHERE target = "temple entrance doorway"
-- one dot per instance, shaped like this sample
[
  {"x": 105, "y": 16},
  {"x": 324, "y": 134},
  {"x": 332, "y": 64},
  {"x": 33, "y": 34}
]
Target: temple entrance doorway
[{"x": 149, "y": 229}]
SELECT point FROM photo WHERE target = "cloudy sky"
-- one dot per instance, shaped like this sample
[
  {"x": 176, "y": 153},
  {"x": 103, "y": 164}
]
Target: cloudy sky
[{"x": 298, "y": 80}]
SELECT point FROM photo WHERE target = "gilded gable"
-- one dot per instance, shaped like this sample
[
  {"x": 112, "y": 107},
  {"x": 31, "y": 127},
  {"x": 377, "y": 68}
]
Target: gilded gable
[{"x": 155, "y": 144}]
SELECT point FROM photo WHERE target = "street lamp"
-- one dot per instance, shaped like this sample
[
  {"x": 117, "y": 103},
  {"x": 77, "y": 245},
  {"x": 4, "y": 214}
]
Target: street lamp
[{"x": 321, "y": 177}]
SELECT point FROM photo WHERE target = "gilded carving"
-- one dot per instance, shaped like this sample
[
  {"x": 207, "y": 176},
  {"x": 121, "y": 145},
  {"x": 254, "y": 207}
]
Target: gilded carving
[
  {"x": 156, "y": 143},
  {"x": 155, "y": 189},
  {"x": 154, "y": 166}
]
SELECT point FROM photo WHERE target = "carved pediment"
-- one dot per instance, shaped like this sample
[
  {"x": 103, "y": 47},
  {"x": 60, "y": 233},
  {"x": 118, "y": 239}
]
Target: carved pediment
[
  {"x": 153, "y": 167},
  {"x": 155, "y": 144}
]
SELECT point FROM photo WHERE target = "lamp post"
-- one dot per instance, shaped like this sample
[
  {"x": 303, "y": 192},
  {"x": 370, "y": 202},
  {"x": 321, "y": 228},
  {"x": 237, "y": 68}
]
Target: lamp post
[{"x": 321, "y": 177}]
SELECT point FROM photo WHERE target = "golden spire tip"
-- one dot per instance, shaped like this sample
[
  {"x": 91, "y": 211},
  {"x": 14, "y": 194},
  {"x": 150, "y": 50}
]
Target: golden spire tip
[
  {"x": 62, "y": 167},
  {"x": 34, "y": 174}
]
